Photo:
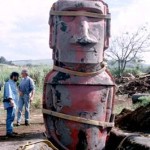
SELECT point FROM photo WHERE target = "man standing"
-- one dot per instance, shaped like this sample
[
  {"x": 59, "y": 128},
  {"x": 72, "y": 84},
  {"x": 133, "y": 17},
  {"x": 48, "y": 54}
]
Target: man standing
[
  {"x": 26, "y": 92},
  {"x": 10, "y": 102}
]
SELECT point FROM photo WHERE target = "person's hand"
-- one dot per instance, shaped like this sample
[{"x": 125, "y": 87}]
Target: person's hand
[
  {"x": 31, "y": 99},
  {"x": 20, "y": 93},
  {"x": 12, "y": 103}
]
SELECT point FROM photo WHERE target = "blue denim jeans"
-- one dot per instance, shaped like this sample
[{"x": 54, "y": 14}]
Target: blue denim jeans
[
  {"x": 11, "y": 111},
  {"x": 23, "y": 101}
]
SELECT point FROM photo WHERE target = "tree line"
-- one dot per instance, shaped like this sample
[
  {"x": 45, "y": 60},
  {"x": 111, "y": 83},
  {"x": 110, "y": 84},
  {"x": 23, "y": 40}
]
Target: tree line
[{"x": 3, "y": 60}]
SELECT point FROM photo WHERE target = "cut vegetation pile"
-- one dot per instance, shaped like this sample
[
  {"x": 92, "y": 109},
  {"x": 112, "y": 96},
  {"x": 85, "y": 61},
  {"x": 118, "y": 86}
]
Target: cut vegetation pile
[{"x": 137, "y": 85}]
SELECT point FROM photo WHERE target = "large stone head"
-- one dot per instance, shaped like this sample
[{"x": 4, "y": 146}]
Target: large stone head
[{"x": 79, "y": 31}]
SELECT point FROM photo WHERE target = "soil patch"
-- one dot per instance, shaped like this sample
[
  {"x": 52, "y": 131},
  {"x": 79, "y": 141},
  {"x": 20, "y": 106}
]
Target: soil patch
[{"x": 32, "y": 133}]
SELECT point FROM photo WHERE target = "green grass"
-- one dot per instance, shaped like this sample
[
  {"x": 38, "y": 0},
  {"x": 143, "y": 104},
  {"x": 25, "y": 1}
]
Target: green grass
[
  {"x": 38, "y": 74},
  {"x": 144, "y": 100},
  {"x": 37, "y": 101}
]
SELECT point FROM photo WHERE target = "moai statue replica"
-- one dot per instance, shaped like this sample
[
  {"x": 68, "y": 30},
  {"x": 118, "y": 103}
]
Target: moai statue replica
[{"x": 79, "y": 92}]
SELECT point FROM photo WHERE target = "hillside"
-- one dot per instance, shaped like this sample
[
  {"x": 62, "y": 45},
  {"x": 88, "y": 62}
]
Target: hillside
[
  {"x": 33, "y": 62},
  {"x": 7, "y": 66}
]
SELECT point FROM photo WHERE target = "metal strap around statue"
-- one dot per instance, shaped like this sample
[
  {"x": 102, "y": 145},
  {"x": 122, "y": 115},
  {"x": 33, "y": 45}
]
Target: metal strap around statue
[
  {"x": 77, "y": 73},
  {"x": 80, "y": 13},
  {"x": 78, "y": 119}
]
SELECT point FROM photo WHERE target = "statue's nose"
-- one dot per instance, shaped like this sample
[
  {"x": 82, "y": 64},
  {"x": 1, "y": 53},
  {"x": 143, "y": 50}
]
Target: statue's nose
[
  {"x": 83, "y": 35},
  {"x": 84, "y": 41},
  {"x": 83, "y": 26},
  {"x": 83, "y": 32}
]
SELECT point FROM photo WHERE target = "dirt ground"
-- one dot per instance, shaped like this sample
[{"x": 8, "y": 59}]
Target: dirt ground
[{"x": 34, "y": 132}]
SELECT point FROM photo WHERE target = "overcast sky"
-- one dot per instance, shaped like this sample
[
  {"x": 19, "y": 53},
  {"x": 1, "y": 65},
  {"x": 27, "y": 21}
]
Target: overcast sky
[{"x": 24, "y": 29}]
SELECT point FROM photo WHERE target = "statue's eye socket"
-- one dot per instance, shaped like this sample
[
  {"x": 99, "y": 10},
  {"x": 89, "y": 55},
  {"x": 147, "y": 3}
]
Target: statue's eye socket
[
  {"x": 94, "y": 19},
  {"x": 71, "y": 18},
  {"x": 68, "y": 18}
]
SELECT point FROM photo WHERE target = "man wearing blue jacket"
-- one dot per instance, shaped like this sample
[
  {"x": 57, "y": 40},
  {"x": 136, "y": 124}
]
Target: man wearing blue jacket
[
  {"x": 10, "y": 102},
  {"x": 26, "y": 94}
]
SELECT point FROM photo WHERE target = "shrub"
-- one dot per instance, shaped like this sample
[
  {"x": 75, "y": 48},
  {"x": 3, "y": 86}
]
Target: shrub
[{"x": 143, "y": 101}]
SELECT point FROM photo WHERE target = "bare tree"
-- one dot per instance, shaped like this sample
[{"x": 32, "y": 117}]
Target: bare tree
[{"x": 128, "y": 46}]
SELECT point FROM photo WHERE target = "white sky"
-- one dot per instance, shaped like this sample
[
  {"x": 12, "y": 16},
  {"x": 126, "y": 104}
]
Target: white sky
[{"x": 24, "y": 29}]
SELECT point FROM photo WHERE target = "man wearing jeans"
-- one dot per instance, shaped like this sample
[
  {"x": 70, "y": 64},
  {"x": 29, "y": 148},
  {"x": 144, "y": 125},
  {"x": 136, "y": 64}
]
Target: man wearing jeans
[
  {"x": 10, "y": 102},
  {"x": 26, "y": 92}
]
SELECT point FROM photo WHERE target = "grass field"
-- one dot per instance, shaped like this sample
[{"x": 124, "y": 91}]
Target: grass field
[{"x": 38, "y": 74}]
